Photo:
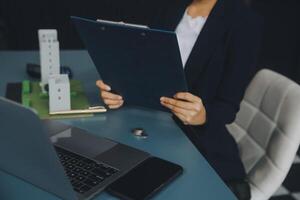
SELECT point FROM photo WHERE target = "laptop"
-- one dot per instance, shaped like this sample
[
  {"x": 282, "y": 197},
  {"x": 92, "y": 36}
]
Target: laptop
[{"x": 64, "y": 160}]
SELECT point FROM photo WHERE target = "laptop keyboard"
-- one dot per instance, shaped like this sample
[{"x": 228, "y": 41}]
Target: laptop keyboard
[{"x": 83, "y": 173}]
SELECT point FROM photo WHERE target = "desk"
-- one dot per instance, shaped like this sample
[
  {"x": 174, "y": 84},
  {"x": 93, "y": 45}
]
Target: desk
[{"x": 166, "y": 140}]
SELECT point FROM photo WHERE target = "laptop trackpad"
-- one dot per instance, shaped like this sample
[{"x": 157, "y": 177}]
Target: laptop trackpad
[{"x": 82, "y": 142}]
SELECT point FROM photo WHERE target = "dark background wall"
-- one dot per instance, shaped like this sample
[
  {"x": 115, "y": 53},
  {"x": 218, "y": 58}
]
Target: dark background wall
[
  {"x": 281, "y": 41},
  {"x": 23, "y": 18},
  {"x": 20, "y": 20}
]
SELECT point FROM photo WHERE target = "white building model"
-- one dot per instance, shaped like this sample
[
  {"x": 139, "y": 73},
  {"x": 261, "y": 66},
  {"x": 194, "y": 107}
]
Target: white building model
[
  {"x": 49, "y": 54},
  {"x": 59, "y": 93},
  {"x": 59, "y": 84}
]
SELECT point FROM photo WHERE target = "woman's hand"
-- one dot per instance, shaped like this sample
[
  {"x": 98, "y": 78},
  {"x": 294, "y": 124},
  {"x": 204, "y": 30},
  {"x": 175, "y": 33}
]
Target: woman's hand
[
  {"x": 187, "y": 107},
  {"x": 113, "y": 101}
]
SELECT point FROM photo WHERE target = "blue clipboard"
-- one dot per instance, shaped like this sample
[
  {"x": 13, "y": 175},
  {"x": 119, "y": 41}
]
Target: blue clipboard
[{"x": 140, "y": 64}]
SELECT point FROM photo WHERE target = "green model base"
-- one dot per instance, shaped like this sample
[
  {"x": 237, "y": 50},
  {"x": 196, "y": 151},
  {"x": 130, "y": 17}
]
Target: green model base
[{"x": 33, "y": 97}]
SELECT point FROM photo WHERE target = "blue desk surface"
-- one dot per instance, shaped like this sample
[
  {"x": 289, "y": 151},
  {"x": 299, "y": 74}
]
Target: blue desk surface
[{"x": 166, "y": 140}]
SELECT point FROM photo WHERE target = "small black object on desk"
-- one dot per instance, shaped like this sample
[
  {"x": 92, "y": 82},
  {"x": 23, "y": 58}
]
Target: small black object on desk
[{"x": 139, "y": 132}]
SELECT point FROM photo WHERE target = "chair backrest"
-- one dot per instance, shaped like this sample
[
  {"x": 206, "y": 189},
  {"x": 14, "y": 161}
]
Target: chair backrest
[{"x": 267, "y": 130}]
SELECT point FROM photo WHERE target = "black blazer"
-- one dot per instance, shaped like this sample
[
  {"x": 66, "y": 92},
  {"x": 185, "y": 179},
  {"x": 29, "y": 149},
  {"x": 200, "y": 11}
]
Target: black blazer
[{"x": 218, "y": 70}]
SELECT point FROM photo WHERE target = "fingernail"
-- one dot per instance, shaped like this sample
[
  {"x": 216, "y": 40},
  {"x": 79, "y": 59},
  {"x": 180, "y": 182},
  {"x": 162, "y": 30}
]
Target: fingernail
[{"x": 162, "y": 98}]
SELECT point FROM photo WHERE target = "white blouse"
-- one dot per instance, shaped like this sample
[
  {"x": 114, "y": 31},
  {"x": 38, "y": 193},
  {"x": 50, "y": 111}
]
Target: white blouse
[{"x": 187, "y": 33}]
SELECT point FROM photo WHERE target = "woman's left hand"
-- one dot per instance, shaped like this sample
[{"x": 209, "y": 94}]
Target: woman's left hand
[{"x": 187, "y": 107}]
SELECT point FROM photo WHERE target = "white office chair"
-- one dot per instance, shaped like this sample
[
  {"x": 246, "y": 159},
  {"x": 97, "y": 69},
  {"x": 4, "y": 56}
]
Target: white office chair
[{"x": 267, "y": 130}]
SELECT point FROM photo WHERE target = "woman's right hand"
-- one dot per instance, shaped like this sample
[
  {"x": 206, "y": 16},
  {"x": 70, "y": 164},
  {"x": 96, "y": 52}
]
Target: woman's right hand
[{"x": 113, "y": 101}]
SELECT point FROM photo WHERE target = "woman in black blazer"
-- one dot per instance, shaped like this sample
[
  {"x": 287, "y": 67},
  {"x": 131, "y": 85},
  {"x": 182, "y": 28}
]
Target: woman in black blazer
[{"x": 218, "y": 70}]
